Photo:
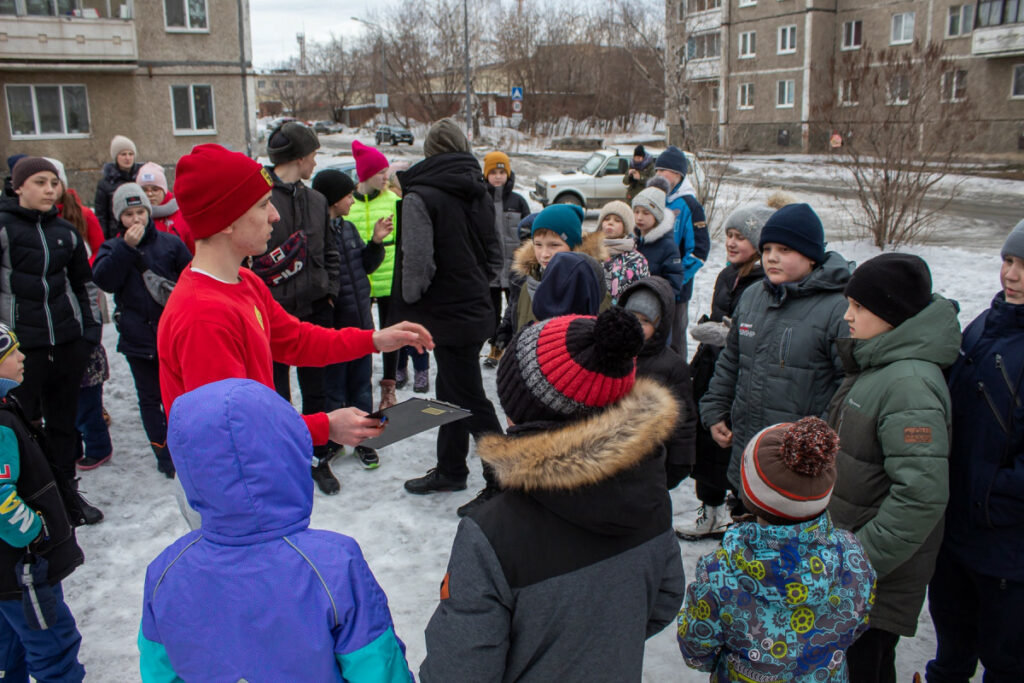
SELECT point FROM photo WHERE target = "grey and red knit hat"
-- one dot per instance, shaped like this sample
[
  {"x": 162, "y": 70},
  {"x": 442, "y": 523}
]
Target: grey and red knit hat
[
  {"x": 788, "y": 471},
  {"x": 569, "y": 367}
]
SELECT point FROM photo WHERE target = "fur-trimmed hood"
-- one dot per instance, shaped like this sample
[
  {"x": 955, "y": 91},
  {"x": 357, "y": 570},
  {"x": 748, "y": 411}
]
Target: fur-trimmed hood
[
  {"x": 604, "y": 473},
  {"x": 524, "y": 261},
  {"x": 665, "y": 227}
]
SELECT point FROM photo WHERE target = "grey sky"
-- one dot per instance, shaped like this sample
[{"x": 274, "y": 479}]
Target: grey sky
[{"x": 275, "y": 23}]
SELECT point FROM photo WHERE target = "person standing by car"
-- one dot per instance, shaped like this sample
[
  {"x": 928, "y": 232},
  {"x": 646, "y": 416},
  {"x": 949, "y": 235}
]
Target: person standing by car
[
  {"x": 301, "y": 265},
  {"x": 640, "y": 170},
  {"x": 116, "y": 173}
]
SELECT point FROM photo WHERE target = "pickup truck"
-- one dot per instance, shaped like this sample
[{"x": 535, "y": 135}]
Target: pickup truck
[{"x": 595, "y": 183}]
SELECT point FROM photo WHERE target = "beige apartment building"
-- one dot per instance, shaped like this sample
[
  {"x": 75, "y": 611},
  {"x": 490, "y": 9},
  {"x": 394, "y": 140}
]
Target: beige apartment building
[
  {"x": 169, "y": 74},
  {"x": 757, "y": 71}
]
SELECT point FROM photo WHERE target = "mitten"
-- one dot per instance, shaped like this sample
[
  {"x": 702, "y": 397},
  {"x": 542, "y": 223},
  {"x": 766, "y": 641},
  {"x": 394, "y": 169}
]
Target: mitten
[
  {"x": 38, "y": 599},
  {"x": 713, "y": 334}
]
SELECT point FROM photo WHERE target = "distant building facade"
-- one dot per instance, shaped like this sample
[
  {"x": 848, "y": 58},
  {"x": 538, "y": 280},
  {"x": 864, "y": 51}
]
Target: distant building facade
[{"x": 758, "y": 70}]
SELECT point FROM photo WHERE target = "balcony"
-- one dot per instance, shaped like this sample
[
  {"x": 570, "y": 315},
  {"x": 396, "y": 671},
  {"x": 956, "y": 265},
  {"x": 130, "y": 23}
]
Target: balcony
[
  {"x": 28, "y": 41},
  {"x": 704, "y": 69}
]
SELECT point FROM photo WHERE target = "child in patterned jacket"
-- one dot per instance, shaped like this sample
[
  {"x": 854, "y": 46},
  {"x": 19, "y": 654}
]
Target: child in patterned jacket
[
  {"x": 786, "y": 594},
  {"x": 624, "y": 265}
]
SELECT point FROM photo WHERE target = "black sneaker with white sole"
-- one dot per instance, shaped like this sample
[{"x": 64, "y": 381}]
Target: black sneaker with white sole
[{"x": 367, "y": 457}]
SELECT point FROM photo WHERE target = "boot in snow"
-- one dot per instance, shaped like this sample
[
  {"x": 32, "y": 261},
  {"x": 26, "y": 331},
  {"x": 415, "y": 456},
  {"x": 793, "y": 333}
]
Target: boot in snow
[
  {"x": 86, "y": 512},
  {"x": 421, "y": 381},
  {"x": 324, "y": 478},
  {"x": 387, "y": 394},
  {"x": 493, "y": 357},
  {"x": 712, "y": 521},
  {"x": 401, "y": 378}
]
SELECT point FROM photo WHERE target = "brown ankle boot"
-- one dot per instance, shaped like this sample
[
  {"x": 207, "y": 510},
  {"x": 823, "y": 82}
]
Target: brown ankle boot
[{"x": 387, "y": 394}]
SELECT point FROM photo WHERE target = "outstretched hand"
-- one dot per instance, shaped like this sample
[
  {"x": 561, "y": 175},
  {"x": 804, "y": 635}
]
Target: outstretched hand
[
  {"x": 350, "y": 426},
  {"x": 382, "y": 228},
  {"x": 403, "y": 334}
]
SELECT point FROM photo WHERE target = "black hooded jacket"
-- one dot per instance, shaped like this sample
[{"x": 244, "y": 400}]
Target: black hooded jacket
[
  {"x": 659, "y": 362},
  {"x": 113, "y": 178},
  {"x": 446, "y": 250}
]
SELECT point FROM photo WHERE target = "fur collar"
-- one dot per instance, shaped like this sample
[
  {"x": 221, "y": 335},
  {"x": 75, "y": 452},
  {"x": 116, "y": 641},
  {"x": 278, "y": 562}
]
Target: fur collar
[
  {"x": 586, "y": 451},
  {"x": 665, "y": 227},
  {"x": 525, "y": 263}
]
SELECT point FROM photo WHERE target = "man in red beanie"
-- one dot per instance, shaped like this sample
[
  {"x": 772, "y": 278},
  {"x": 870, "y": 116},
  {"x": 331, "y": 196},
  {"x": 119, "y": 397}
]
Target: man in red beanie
[{"x": 221, "y": 321}]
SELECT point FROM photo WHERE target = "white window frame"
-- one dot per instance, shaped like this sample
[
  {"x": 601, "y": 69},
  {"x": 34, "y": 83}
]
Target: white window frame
[
  {"x": 747, "y": 45},
  {"x": 748, "y": 3},
  {"x": 902, "y": 39},
  {"x": 893, "y": 101},
  {"x": 853, "y": 24},
  {"x": 707, "y": 6},
  {"x": 1013, "y": 82},
  {"x": 849, "y": 96},
  {"x": 787, "y": 40},
  {"x": 188, "y": 20},
  {"x": 192, "y": 110},
  {"x": 35, "y": 112},
  {"x": 785, "y": 89},
  {"x": 745, "y": 93},
  {"x": 947, "y": 91},
  {"x": 964, "y": 15},
  {"x": 704, "y": 36}
]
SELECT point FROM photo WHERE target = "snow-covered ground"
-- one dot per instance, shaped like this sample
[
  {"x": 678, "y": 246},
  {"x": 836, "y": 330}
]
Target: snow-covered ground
[{"x": 406, "y": 538}]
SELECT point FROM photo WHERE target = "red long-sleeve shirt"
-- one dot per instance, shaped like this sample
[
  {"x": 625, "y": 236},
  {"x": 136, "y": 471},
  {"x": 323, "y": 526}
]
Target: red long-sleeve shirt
[{"x": 211, "y": 330}]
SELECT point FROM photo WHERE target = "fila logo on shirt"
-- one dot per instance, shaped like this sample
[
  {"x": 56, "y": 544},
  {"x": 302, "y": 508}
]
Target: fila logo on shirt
[{"x": 747, "y": 330}]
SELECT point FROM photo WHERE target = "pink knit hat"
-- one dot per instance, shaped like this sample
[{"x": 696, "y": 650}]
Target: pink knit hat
[
  {"x": 152, "y": 174},
  {"x": 369, "y": 161}
]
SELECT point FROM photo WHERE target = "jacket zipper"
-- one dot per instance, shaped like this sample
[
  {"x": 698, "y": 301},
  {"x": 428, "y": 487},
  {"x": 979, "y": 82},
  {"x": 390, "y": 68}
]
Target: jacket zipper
[
  {"x": 784, "y": 346},
  {"x": 46, "y": 285}
]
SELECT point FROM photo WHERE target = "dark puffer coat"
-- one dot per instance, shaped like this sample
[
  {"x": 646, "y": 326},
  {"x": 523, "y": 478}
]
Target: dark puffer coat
[
  {"x": 118, "y": 269},
  {"x": 509, "y": 210},
  {"x": 113, "y": 177},
  {"x": 43, "y": 275},
  {"x": 658, "y": 361},
  {"x": 358, "y": 260},
  {"x": 780, "y": 362}
]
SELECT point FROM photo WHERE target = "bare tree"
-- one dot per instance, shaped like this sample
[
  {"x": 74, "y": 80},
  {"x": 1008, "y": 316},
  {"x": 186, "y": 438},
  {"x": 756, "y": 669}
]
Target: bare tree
[
  {"x": 294, "y": 92},
  {"x": 337, "y": 69},
  {"x": 903, "y": 117}
]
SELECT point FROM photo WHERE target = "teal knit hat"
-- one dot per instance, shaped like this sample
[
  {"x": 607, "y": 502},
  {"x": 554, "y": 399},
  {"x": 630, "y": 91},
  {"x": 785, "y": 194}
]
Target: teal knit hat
[{"x": 565, "y": 220}]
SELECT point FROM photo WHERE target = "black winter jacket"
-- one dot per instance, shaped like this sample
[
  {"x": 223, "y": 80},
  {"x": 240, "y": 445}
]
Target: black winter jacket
[
  {"x": 510, "y": 209},
  {"x": 358, "y": 260},
  {"x": 659, "y": 362},
  {"x": 712, "y": 463},
  {"x": 43, "y": 276},
  {"x": 118, "y": 269},
  {"x": 449, "y": 242},
  {"x": 113, "y": 178},
  {"x": 37, "y": 488},
  {"x": 303, "y": 208}
]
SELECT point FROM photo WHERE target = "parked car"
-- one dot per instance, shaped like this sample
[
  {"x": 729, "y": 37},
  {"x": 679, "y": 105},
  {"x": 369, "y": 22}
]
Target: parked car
[
  {"x": 274, "y": 123},
  {"x": 392, "y": 134},
  {"x": 346, "y": 167},
  {"x": 326, "y": 127},
  {"x": 595, "y": 183}
]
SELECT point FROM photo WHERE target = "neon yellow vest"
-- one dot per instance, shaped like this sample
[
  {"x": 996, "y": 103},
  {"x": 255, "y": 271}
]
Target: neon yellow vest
[{"x": 364, "y": 215}]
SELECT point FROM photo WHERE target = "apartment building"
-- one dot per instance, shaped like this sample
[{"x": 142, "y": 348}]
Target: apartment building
[
  {"x": 169, "y": 74},
  {"x": 759, "y": 70}
]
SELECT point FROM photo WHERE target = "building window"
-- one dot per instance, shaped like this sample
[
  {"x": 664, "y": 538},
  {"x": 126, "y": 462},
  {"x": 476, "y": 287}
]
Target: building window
[
  {"x": 186, "y": 15},
  {"x": 714, "y": 97},
  {"x": 748, "y": 44},
  {"x": 848, "y": 96},
  {"x": 785, "y": 95},
  {"x": 787, "y": 40},
  {"x": 695, "y": 6},
  {"x": 748, "y": 3},
  {"x": 704, "y": 46},
  {"x": 954, "y": 85},
  {"x": 996, "y": 12},
  {"x": 959, "y": 21},
  {"x": 1017, "y": 88},
  {"x": 681, "y": 10},
  {"x": 902, "y": 28},
  {"x": 192, "y": 106},
  {"x": 852, "y": 35},
  {"x": 746, "y": 98},
  {"x": 38, "y": 8},
  {"x": 898, "y": 90},
  {"x": 47, "y": 111}
]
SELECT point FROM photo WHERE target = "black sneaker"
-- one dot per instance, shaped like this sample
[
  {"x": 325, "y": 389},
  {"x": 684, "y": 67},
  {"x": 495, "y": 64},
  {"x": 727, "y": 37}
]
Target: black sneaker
[
  {"x": 434, "y": 481},
  {"x": 485, "y": 495},
  {"x": 367, "y": 457},
  {"x": 401, "y": 378},
  {"x": 86, "y": 512},
  {"x": 325, "y": 479}
]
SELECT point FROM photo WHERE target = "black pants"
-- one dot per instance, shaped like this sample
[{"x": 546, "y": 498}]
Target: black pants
[
  {"x": 389, "y": 359},
  {"x": 146, "y": 373},
  {"x": 975, "y": 617},
  {"x": 710, "y": 494},
  {"x": 459, "y": 382},
  {"x": 53, "y": 376},
  {"x": 496, "y": 303},
  {"x": 872, "y": 658},
  {"x": 311, "y": 380}
]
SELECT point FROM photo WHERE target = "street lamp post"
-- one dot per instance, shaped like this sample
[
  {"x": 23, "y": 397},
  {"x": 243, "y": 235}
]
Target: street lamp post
[{"x": 465, "y": 36}]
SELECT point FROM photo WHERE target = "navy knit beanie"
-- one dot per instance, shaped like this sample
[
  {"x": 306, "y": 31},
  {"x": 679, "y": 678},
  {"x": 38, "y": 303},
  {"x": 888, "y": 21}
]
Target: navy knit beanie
[
  {"x": 798, "y": 227},
  {"x": 672, "y": 159},
  {"x": 565, "y": 220}
]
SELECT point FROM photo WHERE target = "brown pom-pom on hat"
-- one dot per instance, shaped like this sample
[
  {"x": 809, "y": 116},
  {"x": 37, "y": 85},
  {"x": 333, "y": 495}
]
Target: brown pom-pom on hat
[{"x": 788, "y": 471}]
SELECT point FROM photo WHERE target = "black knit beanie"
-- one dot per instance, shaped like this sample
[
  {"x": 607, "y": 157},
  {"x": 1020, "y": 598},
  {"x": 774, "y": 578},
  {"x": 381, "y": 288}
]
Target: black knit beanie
[
  {"x": 290, "y": 141},
  {"x": 569, "y": 367},
  {"x": 333, "y": 184},
  {"x": 895, "y": 287}
]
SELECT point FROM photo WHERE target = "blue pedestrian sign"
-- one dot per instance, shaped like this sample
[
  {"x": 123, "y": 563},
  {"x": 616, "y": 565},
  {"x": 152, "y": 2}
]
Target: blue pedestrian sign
[{"x": 517, "y": 92}]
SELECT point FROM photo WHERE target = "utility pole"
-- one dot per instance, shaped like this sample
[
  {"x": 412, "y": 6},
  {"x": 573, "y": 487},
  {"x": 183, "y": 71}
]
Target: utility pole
[{"x": 465, "y": 36}]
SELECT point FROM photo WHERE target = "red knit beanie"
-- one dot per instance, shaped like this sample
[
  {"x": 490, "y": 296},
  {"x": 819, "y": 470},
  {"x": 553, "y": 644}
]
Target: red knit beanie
[
  {"x": 369, "y": 161},
  {"x": 788, "y": 471},
  {"x": 215, "y": 186}
]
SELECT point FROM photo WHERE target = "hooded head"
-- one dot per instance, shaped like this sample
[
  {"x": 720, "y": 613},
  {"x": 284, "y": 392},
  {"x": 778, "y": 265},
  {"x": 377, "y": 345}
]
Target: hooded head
[
  {"x": 573, "y": 283},
  {"x": 243, "y": 456},
  {"x": 443, "y": 137}
]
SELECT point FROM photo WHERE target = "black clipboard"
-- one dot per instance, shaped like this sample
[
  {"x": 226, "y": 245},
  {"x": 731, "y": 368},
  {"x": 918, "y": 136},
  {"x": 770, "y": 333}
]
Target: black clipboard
[{"x": 413, "y": 416}]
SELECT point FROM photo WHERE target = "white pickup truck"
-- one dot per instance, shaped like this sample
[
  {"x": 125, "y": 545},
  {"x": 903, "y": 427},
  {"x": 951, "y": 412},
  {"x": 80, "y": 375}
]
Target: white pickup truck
[{"x": 595, "y": 183}]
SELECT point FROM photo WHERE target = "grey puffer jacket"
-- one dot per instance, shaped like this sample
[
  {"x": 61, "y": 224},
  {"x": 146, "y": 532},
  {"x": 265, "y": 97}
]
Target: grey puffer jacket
[
  {"x": 509, "y": 209},
  {"x": 780, "y": 362}
]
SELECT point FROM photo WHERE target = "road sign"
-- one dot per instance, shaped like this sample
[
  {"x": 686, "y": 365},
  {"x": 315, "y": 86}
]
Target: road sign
[
  {"x": 380, "y": 100},
  {"x": 517, "y": 106},
  {"x": 517, "y": 92}
]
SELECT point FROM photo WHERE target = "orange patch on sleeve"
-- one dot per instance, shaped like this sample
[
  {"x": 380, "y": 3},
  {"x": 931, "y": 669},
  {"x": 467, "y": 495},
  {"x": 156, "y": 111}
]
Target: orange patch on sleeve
[
  {"x": 917, "y": 435},
  {"x": 445, "y": 593}
]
